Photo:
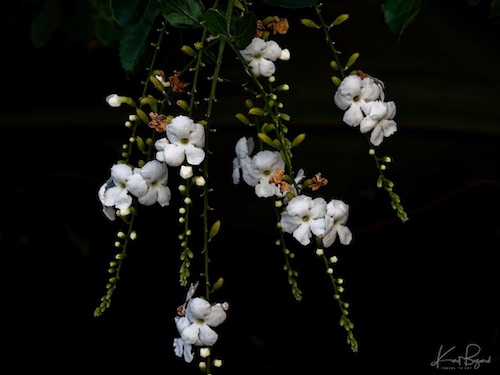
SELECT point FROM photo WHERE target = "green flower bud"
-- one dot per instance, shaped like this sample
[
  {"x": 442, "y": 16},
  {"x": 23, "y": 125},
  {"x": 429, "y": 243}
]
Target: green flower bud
[
  {"x": 214, "y": 230},
  {"x": 256, "y": 111},
  {"x": 188, "y": 51},
  {"x": 336, "y": 81},
  {"x": 183, "y": 104},
  {"x": 266, "y": 139},
  {"x": 298, "y": 140},
  {"x": 352, "y": 59},
  {"x": 339, "y": 20},
  {"x": 309, "y": 23},
  {"x": 242, "y": 118}
]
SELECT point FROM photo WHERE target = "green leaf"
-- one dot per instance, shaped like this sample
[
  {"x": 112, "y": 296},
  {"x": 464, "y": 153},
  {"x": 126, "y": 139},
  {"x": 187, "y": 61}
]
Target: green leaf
[
  {"x": 127, "y": 12},
  {"x": 216, "y": 22},
  {"x": 244, "y": 30},
  {"x": 183, "y": 13},
  {"x": 45, "y": 22},
  {"x": 292, "y": 3},
  {"x": 495, "y": 8},
  {"x": 398, "y": 14},
  {"x": 133, "y": 44}
]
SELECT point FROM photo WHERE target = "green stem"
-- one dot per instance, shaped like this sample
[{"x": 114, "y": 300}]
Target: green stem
[{"x": 329, "y": 41}]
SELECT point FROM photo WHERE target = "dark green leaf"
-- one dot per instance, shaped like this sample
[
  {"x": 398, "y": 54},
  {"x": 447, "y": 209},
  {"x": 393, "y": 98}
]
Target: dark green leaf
[
  {"x": 398, "y": 14},
  {"x": 292, "y": 3},
  {"x": 244, "y": 30},
  {"x": 495, "y": 8},
  {"x": 127, "y": 12},
  {"x": 216, "y": 22},
  {"x": 45, "y": 22},
  {"x": 134, "y": 41},
  {"x": 183, "y": 13}
]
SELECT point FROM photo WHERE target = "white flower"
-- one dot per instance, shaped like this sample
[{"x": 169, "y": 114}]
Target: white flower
[
  {"x": 184, "y": 140},
  {"x": 244, "y": 147},
  {"x": 257, "y": 173},
  {"x": 337, "y": 213},
  {"x": 354, "y": 95},
  {"x": 261, "y": 54},
  {"x": 149, "y": 184},
  {"x": 113, "y": 193},
  {"x": 380, "y": 121},
  {"x": 303, "y": 217},
  {"x": 195, "y": 327}
]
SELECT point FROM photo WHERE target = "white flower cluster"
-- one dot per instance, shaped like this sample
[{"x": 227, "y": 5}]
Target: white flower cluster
[
  {"x": 303, "y": 216},
  {"x": 363, "y": 100},
  {"x": 195, "y": 320},
  {"x": 183, "y": 143},
  {"x": 148, "y": 184}
]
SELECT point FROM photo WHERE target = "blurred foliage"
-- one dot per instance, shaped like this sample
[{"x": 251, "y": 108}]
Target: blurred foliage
[
  {"x": 127, "y": 24},
  {"x": 399, "y": 14}
]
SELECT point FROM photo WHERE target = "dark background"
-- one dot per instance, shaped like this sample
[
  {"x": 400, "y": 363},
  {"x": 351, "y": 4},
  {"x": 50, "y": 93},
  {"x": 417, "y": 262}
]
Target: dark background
[{"x": 412, "y": 287}]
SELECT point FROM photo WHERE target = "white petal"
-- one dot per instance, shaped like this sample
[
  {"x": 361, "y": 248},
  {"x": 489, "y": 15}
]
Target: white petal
[
  {"x": 217, "y": 316},
  {"x": 207, "y": 335},
  {"x": 174, "y": 155},
  {"x": 272, "y": 51},
  {"x": 353, "y": 116},
  {"x": 194, "y": 155},
  {"x": 136, "y": 185},
  {"x": 266, "y": 68},
  {"x": 345, "y": 235},
  {"x": 197, "y": 308},
  {"x": 302, "y": 234}
]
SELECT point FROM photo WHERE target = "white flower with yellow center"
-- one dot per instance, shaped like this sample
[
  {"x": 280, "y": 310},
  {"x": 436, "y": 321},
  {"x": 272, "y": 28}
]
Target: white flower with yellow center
[
  {"x": 113, "y": 194},
  {"x": 149, "y": 184},
  {"x": 354, "y": 96},
  {"x": 303, "y": 217},
  {"x": 261, "y": 54},
  {"x": 195, "y": 327},
  {"x": 184, "y": 140}
]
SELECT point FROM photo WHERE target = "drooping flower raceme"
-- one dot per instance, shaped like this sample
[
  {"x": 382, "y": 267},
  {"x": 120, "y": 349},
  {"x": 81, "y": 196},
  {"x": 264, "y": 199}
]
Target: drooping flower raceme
[
  {"x": 184, "y": 141},
  {"x": 195, "y": 327},
  {"x": 261, "y": 54},
  {"x": 380, "y": 120},
  {"x": 354, "y": 95},
  {"x": 303, "y": 217},
  {"x": 337, "y": 213},
  {"x": 149, "y": 183}
]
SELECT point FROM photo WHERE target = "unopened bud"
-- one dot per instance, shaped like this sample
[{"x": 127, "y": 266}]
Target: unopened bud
[
  {"x": 340, "y": 19},
  {"x": 242, "y": 118},
  {"x": 309, "y": 23},
  {"x": 336, "y": 81},
  {"x": 183, "y": 104},
  {"x": 352, "y": 59},
  {"x": 188, "y": 51}
]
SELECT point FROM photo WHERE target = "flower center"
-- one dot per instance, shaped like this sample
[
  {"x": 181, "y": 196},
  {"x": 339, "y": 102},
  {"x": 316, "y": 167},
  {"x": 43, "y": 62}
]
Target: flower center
[
  {"x": 267, "y": 172},
  {"x": 305, "y": 218},
  {"x": 356, "y": 98},
  {"x": 184, "y": 141}
]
